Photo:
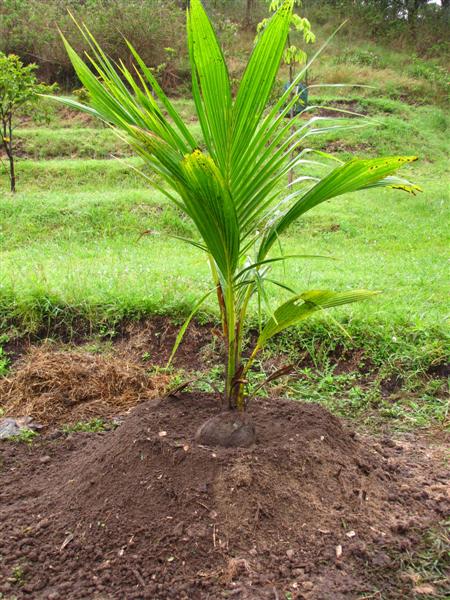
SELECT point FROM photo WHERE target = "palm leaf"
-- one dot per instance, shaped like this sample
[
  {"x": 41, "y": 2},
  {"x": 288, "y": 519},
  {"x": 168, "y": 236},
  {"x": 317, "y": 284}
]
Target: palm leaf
[
  {"x": 211, "y": 83},
  {"x": 357, "y": 174},
  {"x": 257, "y": 81},
  {"x": 209, "y": 204},
  {"x": 303, "y": 306}
]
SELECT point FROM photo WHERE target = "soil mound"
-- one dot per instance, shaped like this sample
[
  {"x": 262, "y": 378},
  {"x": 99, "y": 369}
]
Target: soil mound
[
  {"x": 57, "y": 387},
  {"x": 145, "y": 512}
]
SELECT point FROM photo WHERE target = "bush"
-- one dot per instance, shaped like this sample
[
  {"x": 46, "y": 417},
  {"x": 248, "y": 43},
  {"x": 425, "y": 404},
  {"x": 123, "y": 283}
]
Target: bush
[
  {"x": 27, "y": 27},
  {"x": 361, "y": 58}
]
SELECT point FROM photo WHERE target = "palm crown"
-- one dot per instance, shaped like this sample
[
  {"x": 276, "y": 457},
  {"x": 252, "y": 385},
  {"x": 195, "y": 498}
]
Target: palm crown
[{"x": 233, "y": 191}]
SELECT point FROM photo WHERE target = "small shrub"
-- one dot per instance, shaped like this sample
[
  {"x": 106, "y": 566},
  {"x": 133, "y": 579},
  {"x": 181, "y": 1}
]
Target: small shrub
[
  {"x": 4, "y": 359},
  {"x": 18, "y": 88},
  {"x": 435, "y": 74},
  {"x": 360, "y": 58},
  {"x": 81, "y": 94},
  {"x": 26, "y": 436},
  {"x": 92, "y": 426}
]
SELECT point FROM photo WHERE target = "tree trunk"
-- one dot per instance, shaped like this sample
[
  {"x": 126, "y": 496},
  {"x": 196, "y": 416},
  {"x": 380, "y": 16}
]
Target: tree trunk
[
  {"x": 7, "y": 145},
  {"x": 249, "y": 12},
  {"x": 413, "y": 10},
  {"x": 12, "y": 174}
]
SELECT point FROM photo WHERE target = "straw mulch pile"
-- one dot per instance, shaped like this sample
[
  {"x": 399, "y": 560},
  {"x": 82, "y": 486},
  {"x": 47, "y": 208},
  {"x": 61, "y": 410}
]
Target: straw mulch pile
[{"x": 55, "y": 387}]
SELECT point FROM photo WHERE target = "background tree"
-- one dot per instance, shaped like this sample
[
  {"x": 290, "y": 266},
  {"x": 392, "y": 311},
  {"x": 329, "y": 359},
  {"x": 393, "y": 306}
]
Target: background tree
[{"x": 18, "y": 87}]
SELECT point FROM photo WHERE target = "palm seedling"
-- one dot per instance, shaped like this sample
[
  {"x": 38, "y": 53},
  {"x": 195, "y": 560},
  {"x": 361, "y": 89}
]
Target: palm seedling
[{"x": 233, "y": 188}]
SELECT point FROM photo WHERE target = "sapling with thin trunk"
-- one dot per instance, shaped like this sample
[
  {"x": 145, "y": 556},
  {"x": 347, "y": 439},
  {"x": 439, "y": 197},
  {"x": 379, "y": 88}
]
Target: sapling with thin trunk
[{"x": 18, "y": 88}]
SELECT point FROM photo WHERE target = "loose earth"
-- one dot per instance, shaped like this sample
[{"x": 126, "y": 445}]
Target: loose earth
[{"x": 311, "y": 511}]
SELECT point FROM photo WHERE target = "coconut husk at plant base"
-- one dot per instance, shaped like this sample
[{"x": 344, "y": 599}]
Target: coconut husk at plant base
[{"x": 143, "y": 512}]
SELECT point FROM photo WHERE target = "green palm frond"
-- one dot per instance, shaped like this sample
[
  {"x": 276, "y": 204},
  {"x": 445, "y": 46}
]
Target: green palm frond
[
  {"x": 357, "y": 174},
  {"x": 234, "y": 191},
  {"x": 208, "y": 202},
  {"x": 303, "y": 306},
  {"x": 211, "y": 85}
]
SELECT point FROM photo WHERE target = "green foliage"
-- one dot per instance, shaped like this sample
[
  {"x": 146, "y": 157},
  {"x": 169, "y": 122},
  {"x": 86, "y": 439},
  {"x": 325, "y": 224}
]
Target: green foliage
[
  {"x": 93, "y": 426},
  {"x": 361, "y": 57},
  {"x": 81, "y": 94},
  {"x": 18, "y": 87},
  {"x": 151, "y": 25},
  {"x": 4, "y": 363},
  {"x": 166, "y": 70},
  {"x": 233, "y": 193},
  {"x": 413, "y": 403},
  {"x": 4, "y": 359},
  {"x": 26, "y": 436},
  {"x": 18, "y": 83},
  {"x": 293, "y": 55},
  {"x": 18, "y": 575},
  {"x": 435, "y": 74}
]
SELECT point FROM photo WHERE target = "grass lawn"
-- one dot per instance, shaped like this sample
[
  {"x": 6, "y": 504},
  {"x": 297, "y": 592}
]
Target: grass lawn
[{"x": 70, "y": 239}]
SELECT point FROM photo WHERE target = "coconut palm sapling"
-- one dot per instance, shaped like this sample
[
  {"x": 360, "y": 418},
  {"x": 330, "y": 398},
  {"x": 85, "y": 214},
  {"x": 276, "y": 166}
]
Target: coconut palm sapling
[{"x": 234, "y": 190}]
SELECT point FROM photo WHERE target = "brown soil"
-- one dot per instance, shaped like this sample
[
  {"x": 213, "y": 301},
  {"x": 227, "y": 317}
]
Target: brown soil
[{"x": 144, "y": 512}]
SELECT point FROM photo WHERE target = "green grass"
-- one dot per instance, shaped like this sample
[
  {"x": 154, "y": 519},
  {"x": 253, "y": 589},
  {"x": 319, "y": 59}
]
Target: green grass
[
  {"x": 80, "y": 245},
  {"x": 71, "y": 248},
  {"x": 392, "y": 127},
  {"x": 81, "y": 142},
  {"x": 428, "y": 565},
  {"x": 87, "y": 142}
]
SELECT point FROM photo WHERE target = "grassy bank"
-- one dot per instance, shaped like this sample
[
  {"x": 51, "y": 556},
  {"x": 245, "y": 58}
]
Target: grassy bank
[{"x": 72, "y": 255}]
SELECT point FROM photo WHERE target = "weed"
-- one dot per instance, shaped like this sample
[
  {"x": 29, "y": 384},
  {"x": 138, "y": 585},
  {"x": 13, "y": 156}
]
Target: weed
[
  {"x": 25, "y": 436},
  {"x": 361, "y": 57},
  {"x": 4, "y": 363},
  {"x": 18, "y": 575},
  {"x": 430, "y": 561},
  {"x": 429, "y": 71},
  {"x": 210, "y": 380},
  {"x": 98, "y": 347},
  {"x": 92, "y": 426}
]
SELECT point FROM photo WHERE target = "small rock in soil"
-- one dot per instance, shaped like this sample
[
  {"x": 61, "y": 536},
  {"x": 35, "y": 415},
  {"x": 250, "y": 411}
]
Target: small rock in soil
[{"x": 11, "y": 427}]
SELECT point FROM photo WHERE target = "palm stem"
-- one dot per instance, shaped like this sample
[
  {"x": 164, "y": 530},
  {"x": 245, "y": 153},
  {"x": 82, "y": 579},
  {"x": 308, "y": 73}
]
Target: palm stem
[{"x": 230, "y": 303}]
